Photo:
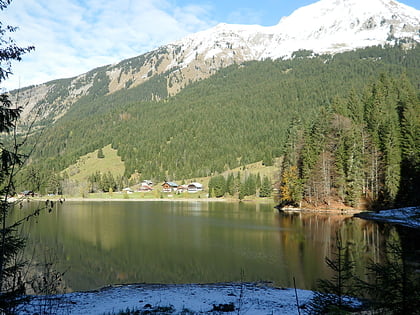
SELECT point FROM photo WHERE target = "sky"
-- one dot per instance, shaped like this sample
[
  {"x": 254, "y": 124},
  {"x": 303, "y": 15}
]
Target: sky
[{"x": 72, "y": 37}]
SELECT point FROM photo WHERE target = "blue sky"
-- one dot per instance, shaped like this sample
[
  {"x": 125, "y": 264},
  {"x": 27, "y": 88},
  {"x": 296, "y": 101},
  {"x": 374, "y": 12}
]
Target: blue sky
[{"x": 74, "y": 36}]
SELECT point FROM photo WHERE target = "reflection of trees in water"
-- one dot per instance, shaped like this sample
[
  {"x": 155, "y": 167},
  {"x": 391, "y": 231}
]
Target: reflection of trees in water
[
  {"x": 308, "y": 238},
  {"x": 108, "y": 243},
  {"x": 396, "y": 285},
  {"x": 410, "y": 246},
  {"x": 111, "y": 243}
]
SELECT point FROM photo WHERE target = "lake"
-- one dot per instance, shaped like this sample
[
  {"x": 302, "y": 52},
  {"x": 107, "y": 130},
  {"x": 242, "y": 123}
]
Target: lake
[{"x": 100, "y": 243}]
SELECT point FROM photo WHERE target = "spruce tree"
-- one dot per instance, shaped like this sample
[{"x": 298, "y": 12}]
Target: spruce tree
[
  {"x": 333, "y": 296},
  {"x": 268, "y": 159},
  {"x": 217, "y": 185},
  {"x": 353, "y": 167},
  {"x": 12, "y": 282},
  {"x": 100, "y": 154},
  {"x": 265, "y": 190},
  {"x": 250, "y": 185},
  {"x": 258, "y": 182},
  {"x": 409, "y": 112},
  {"x": 396, "y": 285},
  {"x": 340, "y": 158},
  {"x": 242, "y": 191},
  {"x": 230, "y": 184}
]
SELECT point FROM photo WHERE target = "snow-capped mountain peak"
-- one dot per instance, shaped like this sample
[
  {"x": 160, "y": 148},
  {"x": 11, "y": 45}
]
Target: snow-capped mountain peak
[
  {"x": 351, "y": 23},
  {"x": 327, "y": 26}
]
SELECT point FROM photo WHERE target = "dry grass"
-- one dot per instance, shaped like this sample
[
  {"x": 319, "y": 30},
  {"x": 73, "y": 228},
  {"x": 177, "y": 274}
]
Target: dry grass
[{"x": 90, "y": 163}]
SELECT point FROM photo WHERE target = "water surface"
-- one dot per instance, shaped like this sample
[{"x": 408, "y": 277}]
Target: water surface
[{"x": 102, "y": 243}]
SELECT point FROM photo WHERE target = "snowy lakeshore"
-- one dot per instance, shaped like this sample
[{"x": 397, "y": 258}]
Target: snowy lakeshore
[
  {"x": 237, "y": 298},
  {"x": 408, "y": 217}
]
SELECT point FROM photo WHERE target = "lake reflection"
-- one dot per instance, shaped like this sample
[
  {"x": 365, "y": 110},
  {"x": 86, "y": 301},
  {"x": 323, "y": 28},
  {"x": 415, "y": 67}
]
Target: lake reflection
[{"x": 101, "y": 243}]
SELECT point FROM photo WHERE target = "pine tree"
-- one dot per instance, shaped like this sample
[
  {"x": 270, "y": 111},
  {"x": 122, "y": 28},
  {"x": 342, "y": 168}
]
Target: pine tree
[
  {"x": 100, "y": 154},
  {"x": 314, "y": 138},
  {"x": 265, "y": 190},
  {"x": 340, "y": 158},
  {"x": 230, "y": 184},
  {"x": 332, "y": 296},
  {"x": 355, "y": 108},
  {"x": 107, "y": 182},
  {"x": 396, "y": 288},
  {"x": 54, "y": 184},
  {"x": 258, "y": 181},
  {"x": 386, "y": 135},
  {"x": 12, "y": 283},
  {"x": 409, "y": 112},
  {"x": 291, "y": 148},
  {"x": 217, "y": 185},
  {"x": 250, "y": 188},
  {"x": 242, "y": 191},
  {"x": 353, "y": 167},
  {"x": 268, "y": 159},
  {"x": 33, "y": 179},
  {"x": 392, "y": 161}
]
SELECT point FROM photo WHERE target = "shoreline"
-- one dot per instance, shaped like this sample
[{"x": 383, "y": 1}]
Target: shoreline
[
  {"x": 335, "y": 211},
  {"x": 323, "y": 210},
  {"x": 408, "y": 217},
  {"x": 398, "y": 216},
  {"x": 79, "y": 199},
  {"x": 103, "y": 199}
]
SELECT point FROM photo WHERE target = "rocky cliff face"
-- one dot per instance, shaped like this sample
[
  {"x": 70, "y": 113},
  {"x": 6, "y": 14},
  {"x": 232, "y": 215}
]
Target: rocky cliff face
[{"x": 328, "y": 26}]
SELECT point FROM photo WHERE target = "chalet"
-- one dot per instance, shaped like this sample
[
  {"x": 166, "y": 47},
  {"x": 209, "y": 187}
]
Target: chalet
[
  {"x": 182, "y": 188},
  {"x": 147, "y": 183},
  {"x": 195, "y": 187},
  {"x": 28, "y": 193},
  {"x": 145, "y": 188},
  {"x": 169, "y": 186}
]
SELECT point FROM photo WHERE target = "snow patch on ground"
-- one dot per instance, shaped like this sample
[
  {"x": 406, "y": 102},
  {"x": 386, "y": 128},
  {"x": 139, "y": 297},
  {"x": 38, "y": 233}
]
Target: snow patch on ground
[
  {"x": 409, "y": 217},
  {"x": 247, "y": 298}
]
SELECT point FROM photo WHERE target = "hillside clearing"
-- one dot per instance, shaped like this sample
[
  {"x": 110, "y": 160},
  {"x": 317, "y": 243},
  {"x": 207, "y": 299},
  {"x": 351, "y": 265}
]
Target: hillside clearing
[{"x": 90, "y": 163}]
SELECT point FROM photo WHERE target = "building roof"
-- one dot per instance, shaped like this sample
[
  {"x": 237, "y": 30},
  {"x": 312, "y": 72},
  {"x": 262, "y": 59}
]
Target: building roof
[{"x": 172, "y": 184}]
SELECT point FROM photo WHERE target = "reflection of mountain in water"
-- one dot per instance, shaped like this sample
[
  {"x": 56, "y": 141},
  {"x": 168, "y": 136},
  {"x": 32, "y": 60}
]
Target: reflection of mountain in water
[{"x": 102, "y": 243}]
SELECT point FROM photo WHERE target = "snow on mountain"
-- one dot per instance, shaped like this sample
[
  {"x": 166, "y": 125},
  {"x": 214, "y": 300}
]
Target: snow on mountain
[
  {"x": 337, "y": 25},
  {"x": 327, "y": 26}
]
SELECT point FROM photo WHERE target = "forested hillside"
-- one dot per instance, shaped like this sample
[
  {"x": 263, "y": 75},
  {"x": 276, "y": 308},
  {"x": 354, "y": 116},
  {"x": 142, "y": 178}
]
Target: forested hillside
[
  {"x": 362, "y": 150},
  {"x": 243, "y": 114}
]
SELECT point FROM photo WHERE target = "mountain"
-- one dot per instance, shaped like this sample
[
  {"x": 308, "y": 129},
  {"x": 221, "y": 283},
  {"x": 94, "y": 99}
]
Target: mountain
[
  {"x": 240, "y": 115},
  {"x": 328, "y": 26}
]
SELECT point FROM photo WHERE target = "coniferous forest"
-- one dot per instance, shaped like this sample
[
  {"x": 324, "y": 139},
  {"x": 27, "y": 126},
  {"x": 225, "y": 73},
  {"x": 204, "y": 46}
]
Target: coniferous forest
[
  {"x": 362, "y": 150},
  {"x": 347, "y": 126}
]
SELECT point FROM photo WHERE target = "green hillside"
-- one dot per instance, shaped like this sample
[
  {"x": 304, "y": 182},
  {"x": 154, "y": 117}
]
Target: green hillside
[
  {"x": 91, "y": 163},
  {"x": 239, "y": 116}
]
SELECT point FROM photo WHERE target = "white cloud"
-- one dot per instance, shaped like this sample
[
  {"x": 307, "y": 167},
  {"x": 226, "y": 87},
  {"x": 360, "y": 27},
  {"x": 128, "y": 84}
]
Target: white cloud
[{"x": 72, "y": 37}]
